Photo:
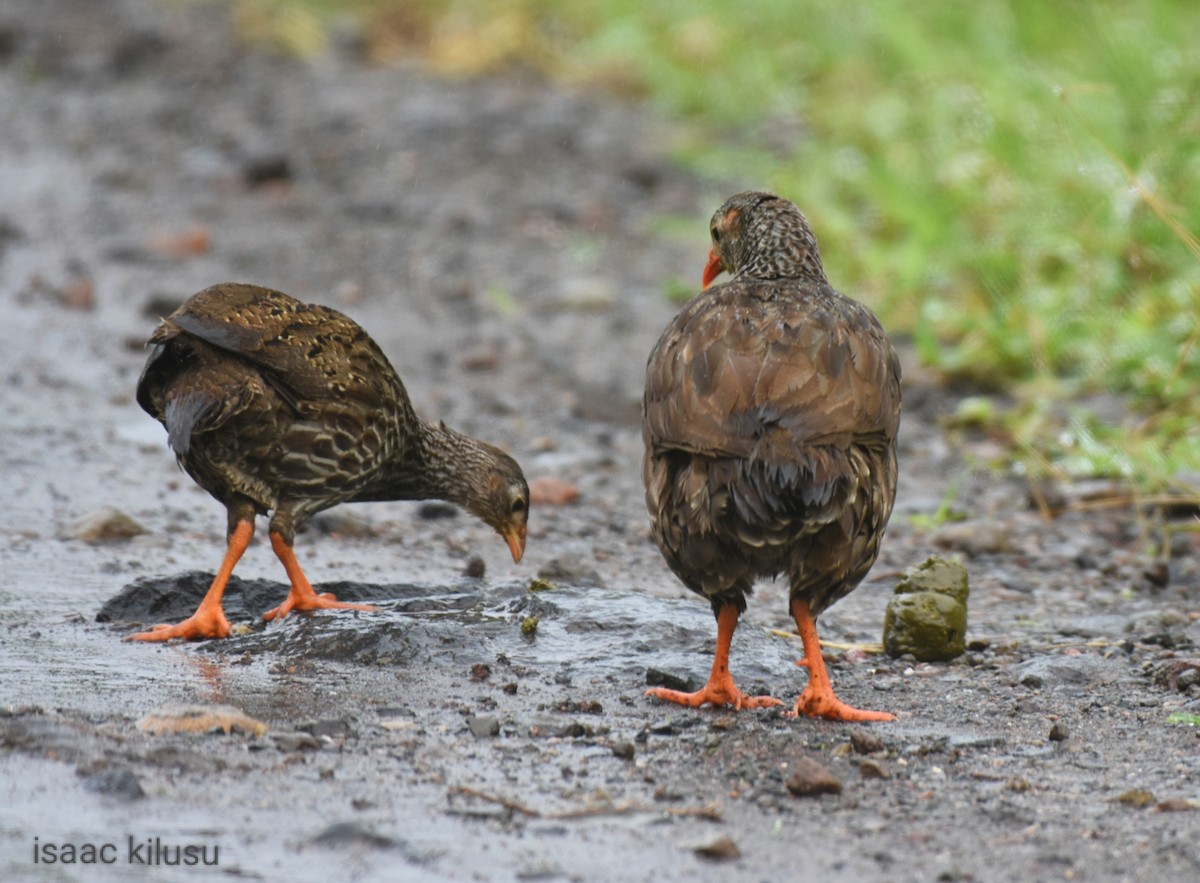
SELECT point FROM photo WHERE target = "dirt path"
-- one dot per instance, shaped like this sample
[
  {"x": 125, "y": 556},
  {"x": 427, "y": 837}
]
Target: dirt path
[{"x": 504, "y": 242}]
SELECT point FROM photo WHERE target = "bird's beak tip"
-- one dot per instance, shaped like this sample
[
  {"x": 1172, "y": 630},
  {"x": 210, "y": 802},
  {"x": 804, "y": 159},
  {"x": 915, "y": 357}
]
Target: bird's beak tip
[{"x": 515, "y": 537}]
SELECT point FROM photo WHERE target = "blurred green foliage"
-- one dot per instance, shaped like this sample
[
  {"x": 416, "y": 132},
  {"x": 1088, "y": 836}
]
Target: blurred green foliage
[{"x": 1012, "y": 183}]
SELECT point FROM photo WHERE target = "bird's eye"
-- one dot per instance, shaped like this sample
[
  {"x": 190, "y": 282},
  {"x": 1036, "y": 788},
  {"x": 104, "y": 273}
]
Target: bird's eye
[
  {"x": 518, "y": 506},
  {"x": 716, "y": 234}
]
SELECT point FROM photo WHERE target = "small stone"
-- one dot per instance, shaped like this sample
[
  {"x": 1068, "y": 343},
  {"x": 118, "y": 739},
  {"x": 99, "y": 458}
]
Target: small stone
[
  {"x": 118, "y": 782},
  {"x": 546, "y": 490},
  {"x": 810, "y": 779},
  {"x": 481, "y": 671},
  {"x": 351, "y": 833},
  {"x": 483, "y": 726},
  {"x": 1136, "y": 797},
  {"x": 722, "y": 849},
  {"x": 296, "y": 742},
  {"x": 1059, "y": 732},
  {"x": 476, "y": 567},
  {"x": 194, "y": 240},
  {"x": 1177, "y": 804},
  {"x": 529, "y": 626},
  {"x": 869, "y": 768},
  {"x": 104, "y": 525},
  {"x": 623, "y": 750},
  {"x": 865, "y": 743},
  {"x": 327, "y": 728},
  {"x": 266, "y": 168},
  {"x": 658, "y": 678}
]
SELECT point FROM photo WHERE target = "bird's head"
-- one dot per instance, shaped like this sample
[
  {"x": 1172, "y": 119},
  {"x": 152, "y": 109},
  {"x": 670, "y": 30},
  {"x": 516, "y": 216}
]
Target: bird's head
[
  {"x": 504, "y": 501},
  {"x": 761, "y": 236}
]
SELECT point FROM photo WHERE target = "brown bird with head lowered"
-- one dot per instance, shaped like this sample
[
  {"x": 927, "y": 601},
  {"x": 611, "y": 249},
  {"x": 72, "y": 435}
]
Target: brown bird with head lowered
[
  {"x": 770, "y": 416},
  {"x": 273, "y": 405}
]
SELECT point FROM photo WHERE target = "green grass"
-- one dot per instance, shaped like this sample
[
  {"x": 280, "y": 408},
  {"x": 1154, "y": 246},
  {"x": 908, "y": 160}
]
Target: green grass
[{"x": 1015, "y": 184}]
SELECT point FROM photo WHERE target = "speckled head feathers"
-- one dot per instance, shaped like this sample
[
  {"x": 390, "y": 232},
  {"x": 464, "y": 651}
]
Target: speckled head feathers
[{"x": 758, "y": 235}]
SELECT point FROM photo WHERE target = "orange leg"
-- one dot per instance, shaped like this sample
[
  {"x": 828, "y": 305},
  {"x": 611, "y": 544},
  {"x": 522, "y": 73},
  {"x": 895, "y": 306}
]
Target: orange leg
[
  {"x": 818, "y": 700},
  {"x": 720, "y": 689},
  {"x": 209, "y": 619},
  {"x": 302, "y": 596}
]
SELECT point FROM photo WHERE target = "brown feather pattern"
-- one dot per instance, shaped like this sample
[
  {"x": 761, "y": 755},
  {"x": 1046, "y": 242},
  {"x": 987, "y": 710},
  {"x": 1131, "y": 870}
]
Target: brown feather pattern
[
  {"x": 274, "y": 405},
  {"x": 770, "y": 416}
]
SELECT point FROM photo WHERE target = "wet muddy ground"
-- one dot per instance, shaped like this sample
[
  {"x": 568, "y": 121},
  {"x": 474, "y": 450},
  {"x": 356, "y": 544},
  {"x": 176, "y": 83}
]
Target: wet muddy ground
[{"x": 508, "y": 244}]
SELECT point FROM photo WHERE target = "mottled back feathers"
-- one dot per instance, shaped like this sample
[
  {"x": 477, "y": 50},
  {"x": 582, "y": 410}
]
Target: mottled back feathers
[{"x": 771, "y": 410}]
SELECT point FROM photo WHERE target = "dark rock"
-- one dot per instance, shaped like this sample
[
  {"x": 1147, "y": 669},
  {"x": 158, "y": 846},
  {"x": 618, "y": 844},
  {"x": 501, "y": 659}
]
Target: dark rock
[
  {"x": 119, "y": 782},
  {"x": 623, "y": 750},
  {"x": 266, "y": 168},
  {"x": 811, "y": 779},
  {"x": 658, "y": 678},
  {"x": 327, "y": 729},
  {"x": 864, "y": 742},
  {"x": 351, "y": 834},
  {"x": 1059, "y": 732}
]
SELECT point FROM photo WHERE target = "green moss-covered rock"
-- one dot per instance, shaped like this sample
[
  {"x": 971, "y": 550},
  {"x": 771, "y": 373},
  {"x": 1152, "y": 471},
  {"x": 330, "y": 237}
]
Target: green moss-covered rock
[{"x": 927, "y": 615}]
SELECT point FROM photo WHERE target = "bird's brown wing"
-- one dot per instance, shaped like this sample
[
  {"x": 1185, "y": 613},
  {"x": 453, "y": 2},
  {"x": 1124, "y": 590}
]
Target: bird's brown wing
[
  {"x": 308, "y": 353},
  {"x": 769, "y": 371}
]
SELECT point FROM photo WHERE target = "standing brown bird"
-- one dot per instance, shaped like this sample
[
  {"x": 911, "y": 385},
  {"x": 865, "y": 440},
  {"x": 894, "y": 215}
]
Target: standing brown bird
[
  {"x": 273, "y": 405},
  {"x": 770, "y": 416}
]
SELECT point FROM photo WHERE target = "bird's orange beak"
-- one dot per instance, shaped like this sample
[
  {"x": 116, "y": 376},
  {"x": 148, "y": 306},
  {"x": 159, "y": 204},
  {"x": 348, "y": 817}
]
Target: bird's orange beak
[
  {"x": 712, "y": 269},
  {"x": 514, "y": 535}
]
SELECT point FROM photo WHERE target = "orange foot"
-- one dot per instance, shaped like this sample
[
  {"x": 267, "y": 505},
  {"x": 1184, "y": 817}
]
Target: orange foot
[
  {"x": 720, "y": 689},
  {"x": 815, "y": 703},
  {"x": 313, "y": 601},
  {"x": 204, "y": 623},
  {"x": 302, "y": 596},
  {"x": 717, "y": 691},
  {"x": 818, "y": 699}
]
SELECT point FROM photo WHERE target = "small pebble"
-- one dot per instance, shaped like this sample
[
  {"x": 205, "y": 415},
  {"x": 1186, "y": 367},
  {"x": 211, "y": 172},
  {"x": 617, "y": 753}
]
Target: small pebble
[
  {"x": 623, "y": 750},
  {"x": 1059, "y": 732},
  {"x": 865, "y": 743},
  {"x": 546, "y": 490},
  {"x": 810, "y": 779},
  {"x": 104, "y": 525},
  {"x": 119, "y": 782},
  {"x": 722, "y": 849},
  {"x": 483, "y": 726},
  {"x": 296, "y": 741},
  {"x": 1136, "y": 797},
  {"x": 351, "y": 833},
  {"x": 869, "y": 768}
]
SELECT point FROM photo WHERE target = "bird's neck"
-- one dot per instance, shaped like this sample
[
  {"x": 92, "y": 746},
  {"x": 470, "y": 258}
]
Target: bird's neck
[{"x": 437, "y": 464}]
